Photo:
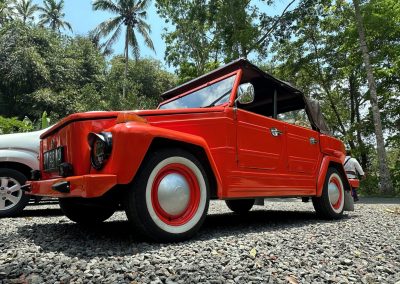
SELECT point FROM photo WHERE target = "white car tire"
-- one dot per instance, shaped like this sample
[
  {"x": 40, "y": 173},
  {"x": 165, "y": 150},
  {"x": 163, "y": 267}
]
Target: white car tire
[{"x": 169, "y": 198}]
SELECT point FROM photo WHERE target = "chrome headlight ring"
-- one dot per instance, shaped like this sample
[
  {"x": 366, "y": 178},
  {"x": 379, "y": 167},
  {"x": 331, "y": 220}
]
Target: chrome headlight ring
[{"x": 100, "y": 148}]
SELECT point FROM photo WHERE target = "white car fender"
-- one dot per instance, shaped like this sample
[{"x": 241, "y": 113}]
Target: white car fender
[{"x": 22, "y": 156}]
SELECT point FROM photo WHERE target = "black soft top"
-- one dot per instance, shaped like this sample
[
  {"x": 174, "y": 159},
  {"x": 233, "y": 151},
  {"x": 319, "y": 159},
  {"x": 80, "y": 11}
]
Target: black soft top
[
  {"x": 241, "y": 63},
  {"x": 291, "y": 97}
]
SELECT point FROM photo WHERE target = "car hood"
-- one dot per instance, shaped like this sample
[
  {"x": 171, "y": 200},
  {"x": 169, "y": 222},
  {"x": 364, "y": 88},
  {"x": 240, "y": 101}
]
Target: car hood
[
  {"x": 25, "y": 141},
  {"x": 95, "y": 115}
]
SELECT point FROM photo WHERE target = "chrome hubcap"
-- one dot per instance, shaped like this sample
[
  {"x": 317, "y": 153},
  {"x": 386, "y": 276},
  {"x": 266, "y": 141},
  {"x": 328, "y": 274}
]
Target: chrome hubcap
[
  {"x": 333, "y": 192},
  {"x": 173, "y": 194},
  {"x": 10, "y": 192}
]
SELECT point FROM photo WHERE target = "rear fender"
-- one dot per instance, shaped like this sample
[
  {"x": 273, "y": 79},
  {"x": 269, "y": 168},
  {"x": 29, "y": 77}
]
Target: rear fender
[{"x": 329, "y": 161}]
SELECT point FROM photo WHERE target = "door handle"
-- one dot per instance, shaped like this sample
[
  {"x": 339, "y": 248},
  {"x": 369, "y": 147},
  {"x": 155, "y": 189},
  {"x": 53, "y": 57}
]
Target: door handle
[
  {"x": 313, "y": 140},
  {"x": 275, "y": 132}
]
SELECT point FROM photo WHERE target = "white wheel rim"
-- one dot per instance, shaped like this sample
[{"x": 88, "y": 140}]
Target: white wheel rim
[
  {"x": 201, "y": 204},
  {"x": 10, "y": 193},
  {"x": 336, "y": 193}
]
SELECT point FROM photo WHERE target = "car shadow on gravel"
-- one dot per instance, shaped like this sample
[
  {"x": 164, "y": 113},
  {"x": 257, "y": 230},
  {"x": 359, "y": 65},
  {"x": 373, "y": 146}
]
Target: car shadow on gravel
[
  {"x": 114, "y": 238},
  {"x": 45, "y": 212}
]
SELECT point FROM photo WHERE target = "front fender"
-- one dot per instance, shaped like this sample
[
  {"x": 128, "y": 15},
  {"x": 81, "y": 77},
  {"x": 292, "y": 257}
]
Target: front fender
[
  {"x": 21, "y": 156},
  {"x": 131, "y": 142},
  {"x": 326, "y": 162}
]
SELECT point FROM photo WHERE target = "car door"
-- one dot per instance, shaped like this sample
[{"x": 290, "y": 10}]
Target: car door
[
  {"x": 303, "y": 156},
  {"x": 260, "y": 141},
  {"x": 260, "y": 156}
]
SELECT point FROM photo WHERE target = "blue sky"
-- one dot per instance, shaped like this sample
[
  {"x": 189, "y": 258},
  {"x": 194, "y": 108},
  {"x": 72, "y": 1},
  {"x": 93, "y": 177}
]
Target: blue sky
[{"x": 83, "y": 18}]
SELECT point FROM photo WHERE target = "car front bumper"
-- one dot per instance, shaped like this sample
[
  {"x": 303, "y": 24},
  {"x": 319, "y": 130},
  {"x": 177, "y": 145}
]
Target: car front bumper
[{"x": 87, "y": 186}]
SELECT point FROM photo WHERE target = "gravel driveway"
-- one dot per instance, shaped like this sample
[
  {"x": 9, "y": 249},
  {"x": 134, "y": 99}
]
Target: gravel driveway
[{"x": 283, "y": 242}]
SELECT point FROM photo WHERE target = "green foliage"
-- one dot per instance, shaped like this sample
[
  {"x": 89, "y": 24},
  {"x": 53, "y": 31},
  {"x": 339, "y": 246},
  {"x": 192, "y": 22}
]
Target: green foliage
[
  {"x": 39, "y": 68},
  {"x": 207, "y": 33},
  {"x": 45, "y": 121},
  {"x": 145, "y": 83},
  {"x": 11, "y": 125}
]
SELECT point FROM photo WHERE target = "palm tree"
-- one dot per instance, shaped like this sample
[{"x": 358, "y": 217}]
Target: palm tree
[
  {"x": 6, "y": 11},
  {"x": 131, "y": 14},
  {"x": 52, "y": 15},
  {"x": 25, "y": 9}
]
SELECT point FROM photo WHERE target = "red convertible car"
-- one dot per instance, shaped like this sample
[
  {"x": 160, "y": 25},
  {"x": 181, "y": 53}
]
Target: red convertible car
[{"x": 236, "y": 134}]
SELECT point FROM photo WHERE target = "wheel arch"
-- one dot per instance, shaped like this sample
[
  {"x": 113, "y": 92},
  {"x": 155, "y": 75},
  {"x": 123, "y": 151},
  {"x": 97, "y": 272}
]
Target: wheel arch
[
  {"x": 198, "y": 151},
  {"x": 24, "y": 169},
  {"x": 328, "y": 162}
]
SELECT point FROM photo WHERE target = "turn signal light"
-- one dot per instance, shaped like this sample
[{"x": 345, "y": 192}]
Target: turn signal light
[{"x": 129, "y": 116}]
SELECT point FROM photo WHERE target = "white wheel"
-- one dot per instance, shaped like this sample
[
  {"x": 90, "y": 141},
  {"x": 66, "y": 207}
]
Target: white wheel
[
  {"x": 336, "y": 193},
  {"x": 169, "y": 199},
  {"x": 330, "y": 204}
]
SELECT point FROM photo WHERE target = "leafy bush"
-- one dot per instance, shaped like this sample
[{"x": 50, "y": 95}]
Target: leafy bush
[{"x": 11, "y": 125}]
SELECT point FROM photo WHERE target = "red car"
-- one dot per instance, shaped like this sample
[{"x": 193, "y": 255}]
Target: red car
[{"x": 236, "y": 134}]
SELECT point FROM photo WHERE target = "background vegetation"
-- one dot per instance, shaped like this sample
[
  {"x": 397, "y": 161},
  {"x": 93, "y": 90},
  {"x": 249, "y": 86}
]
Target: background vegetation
[{"x": 315, "y": 45}]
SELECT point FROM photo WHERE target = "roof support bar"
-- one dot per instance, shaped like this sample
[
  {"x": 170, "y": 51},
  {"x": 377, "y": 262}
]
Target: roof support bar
[{"x": 275, "y": 102}]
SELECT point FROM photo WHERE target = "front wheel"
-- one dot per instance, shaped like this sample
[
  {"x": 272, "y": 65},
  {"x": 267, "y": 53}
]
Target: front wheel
[
  {"x": 330, "y": 204},
  {"x": 86, "y": 211},
  {"x": 169, "y": 198},
  {"x": 12, "y": 199}
]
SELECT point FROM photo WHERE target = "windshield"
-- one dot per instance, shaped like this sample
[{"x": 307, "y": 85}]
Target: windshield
[{"x": 212, "y": 95}]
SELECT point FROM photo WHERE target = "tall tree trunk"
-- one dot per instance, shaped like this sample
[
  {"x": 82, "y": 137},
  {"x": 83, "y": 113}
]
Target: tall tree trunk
[
  {"x": 386, "y": 183},
  {"x": 355, "y": 118},
  {"x": 126, "y": 63}
]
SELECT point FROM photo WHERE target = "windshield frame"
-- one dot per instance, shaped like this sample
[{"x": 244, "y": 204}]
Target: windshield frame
[{"x": 231, "y": 96}]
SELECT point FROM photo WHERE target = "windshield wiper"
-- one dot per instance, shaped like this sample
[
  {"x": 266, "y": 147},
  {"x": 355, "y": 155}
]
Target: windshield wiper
[{"x": 218, "y": 99}]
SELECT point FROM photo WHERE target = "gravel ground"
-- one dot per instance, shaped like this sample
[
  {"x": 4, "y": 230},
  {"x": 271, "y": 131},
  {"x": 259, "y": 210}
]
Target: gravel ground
[{"x": 283, "y": 242}]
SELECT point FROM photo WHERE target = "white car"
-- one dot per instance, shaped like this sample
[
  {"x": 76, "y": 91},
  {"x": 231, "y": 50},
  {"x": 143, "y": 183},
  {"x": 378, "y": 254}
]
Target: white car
[{"x": 18, "y": 156}]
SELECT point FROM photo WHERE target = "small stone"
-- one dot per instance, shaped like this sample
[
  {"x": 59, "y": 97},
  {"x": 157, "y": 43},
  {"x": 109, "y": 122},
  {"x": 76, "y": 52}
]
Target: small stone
[{"x": 346, "y": 261}]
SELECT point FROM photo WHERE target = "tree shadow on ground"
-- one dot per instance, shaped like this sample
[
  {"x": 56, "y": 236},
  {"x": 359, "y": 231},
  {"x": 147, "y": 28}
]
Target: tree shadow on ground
[{"x": 117, "y": 238}]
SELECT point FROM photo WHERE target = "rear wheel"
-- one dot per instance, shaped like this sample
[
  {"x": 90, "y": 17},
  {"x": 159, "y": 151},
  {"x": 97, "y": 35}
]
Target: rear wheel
[
  {"x": 169, "y": 197},
  {"x": 85, "y": 211},
  {"x": 12, "y": 199},
  {"x": 240, "y": 206},
  {"x": 330, "y": 204}
]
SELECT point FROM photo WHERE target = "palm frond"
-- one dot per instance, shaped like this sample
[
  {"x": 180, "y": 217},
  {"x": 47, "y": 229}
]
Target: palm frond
[
  {"x": 106, "y": 5},
  {"x": 144, "y": 30},
  {"x": 133, "y": 43},
  {"x": 109, "y": 43},
  {"x": 143, "y": 4},
  {"x": 108, "y": 26}
]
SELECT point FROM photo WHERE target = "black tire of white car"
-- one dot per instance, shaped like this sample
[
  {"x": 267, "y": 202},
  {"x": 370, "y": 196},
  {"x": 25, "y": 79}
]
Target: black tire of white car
[
  {"x": 330, "y": 204},
  {"x": 168, "y": 200},
  {"x": 83, "y": 212},
  {"x": 240, "y": 206},
  {"x": 12, "y": 199}
]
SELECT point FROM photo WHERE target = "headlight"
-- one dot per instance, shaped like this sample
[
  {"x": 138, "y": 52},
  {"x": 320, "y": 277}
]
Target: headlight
[{"x": 100, "y": 148}]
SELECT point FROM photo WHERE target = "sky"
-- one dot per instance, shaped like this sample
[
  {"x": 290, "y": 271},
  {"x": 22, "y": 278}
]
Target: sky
[{"x": 83, "y": 18}]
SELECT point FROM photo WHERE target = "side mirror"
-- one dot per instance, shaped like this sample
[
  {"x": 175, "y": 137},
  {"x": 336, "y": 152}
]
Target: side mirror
[{"x": 245, "y": 94}]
